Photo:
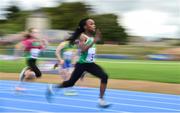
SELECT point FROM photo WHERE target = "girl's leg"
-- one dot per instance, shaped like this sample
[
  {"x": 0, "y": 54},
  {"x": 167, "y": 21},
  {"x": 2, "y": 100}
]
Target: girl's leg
[
  {"x": 76, "y": 74},
  {"x": 32, "y": 65},
  {"x": 29, "y": 75},
  {"x": 99, "y": 72},
  {"x": 63, "y": 74},
  {"x": 22, "y": 75}
]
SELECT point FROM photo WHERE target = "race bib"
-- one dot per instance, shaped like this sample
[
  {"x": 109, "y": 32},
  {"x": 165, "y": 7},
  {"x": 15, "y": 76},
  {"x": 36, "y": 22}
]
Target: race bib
[
  {"x": 68, "y": 55},
  {"x": 34, "y": 53},
  {"x": 91, "y": 55}
]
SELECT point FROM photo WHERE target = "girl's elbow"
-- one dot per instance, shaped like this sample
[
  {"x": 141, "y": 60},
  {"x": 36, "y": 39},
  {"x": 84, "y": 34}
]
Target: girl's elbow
[
  {"x": 56, "y": 54},
  {"x": 84, "y": 49}
]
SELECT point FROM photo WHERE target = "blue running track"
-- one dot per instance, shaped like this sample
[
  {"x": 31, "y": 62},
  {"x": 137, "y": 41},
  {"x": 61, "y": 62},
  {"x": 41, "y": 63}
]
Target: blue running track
[{"x": 33, "y": 100}]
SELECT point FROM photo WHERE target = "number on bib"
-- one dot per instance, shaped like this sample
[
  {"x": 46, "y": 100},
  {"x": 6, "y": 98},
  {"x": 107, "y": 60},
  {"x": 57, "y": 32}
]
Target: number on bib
[
  {"x": 91, "y": 55},
  {"x": 34, "y": 53}
]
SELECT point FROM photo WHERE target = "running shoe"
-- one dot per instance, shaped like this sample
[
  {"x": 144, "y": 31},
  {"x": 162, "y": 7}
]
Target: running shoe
[
  {"x": 103, "y": 103},
  {"x": 70, "y": 93},
  {"x": 22, "y": 75}
]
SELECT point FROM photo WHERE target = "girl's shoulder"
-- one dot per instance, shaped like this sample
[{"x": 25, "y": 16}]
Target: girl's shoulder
[
  {"x": 62, "y": 44},
  {"x": 84, "y": 37}
]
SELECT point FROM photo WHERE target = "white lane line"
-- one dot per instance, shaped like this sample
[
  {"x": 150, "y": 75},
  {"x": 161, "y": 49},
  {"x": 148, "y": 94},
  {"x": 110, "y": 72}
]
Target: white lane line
[
  {"x": 46, "y": 103},
  {"x": 112, "y": 97},
  {"x": 110, "y": 102},
  {"x": 21, "y": 109},
  {"x": 114, "y": 93}
]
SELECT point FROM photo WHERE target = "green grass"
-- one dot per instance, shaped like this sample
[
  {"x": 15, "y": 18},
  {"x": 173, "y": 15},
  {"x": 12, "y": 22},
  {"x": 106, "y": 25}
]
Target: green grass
[
  {"x": 128, "y": 49},
  {"x": 159, "y": 71},
  {"x": 12, "y": 66}
]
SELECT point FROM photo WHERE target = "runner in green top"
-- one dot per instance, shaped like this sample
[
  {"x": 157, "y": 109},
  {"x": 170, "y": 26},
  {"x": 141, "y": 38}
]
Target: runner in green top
[
  {"x": 88, "y": 56},
  {"x": 87, "y": 41},
  {"x": 66, "y": 54},
  {"x": 32, "y": 46}
]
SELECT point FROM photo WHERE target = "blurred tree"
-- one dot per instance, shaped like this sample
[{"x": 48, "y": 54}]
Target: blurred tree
[
  {"x": 15, "y": 19},
  {"x": 12, "y": 12},
  {"x": 67, "y": 15},
  {"x": 176, "y": 44},
  {"x": 111, "y": 30}
]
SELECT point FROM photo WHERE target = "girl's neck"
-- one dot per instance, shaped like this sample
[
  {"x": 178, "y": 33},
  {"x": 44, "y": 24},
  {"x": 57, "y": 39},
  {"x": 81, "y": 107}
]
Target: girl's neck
[{"x": 90, "y": 34}]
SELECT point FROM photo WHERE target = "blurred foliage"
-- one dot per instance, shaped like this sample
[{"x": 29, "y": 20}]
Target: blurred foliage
[
  {"x": 15, "y": 20},
  {"x": 176, "y": 44},
  {"x": 111, "y": 30},
  {"x": 12, "y": 12},
  {"x": 66, "y": 16}
]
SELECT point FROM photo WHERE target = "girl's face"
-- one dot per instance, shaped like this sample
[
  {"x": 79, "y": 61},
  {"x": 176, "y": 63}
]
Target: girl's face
[
  {"x": 34, "y": 33},
  {"x": 90, "y": 25}
]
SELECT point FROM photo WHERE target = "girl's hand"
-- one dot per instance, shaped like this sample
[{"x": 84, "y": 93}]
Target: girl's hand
[
  {"x": 55, "y": 66},
  {"x": 98, "y": 35},
  {"x": 61, "y": 62}
]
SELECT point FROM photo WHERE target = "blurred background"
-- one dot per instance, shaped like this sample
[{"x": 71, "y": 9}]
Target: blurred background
[
  {"x": 131, "y": 29},
  {"x": 142, "y": 27}
]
